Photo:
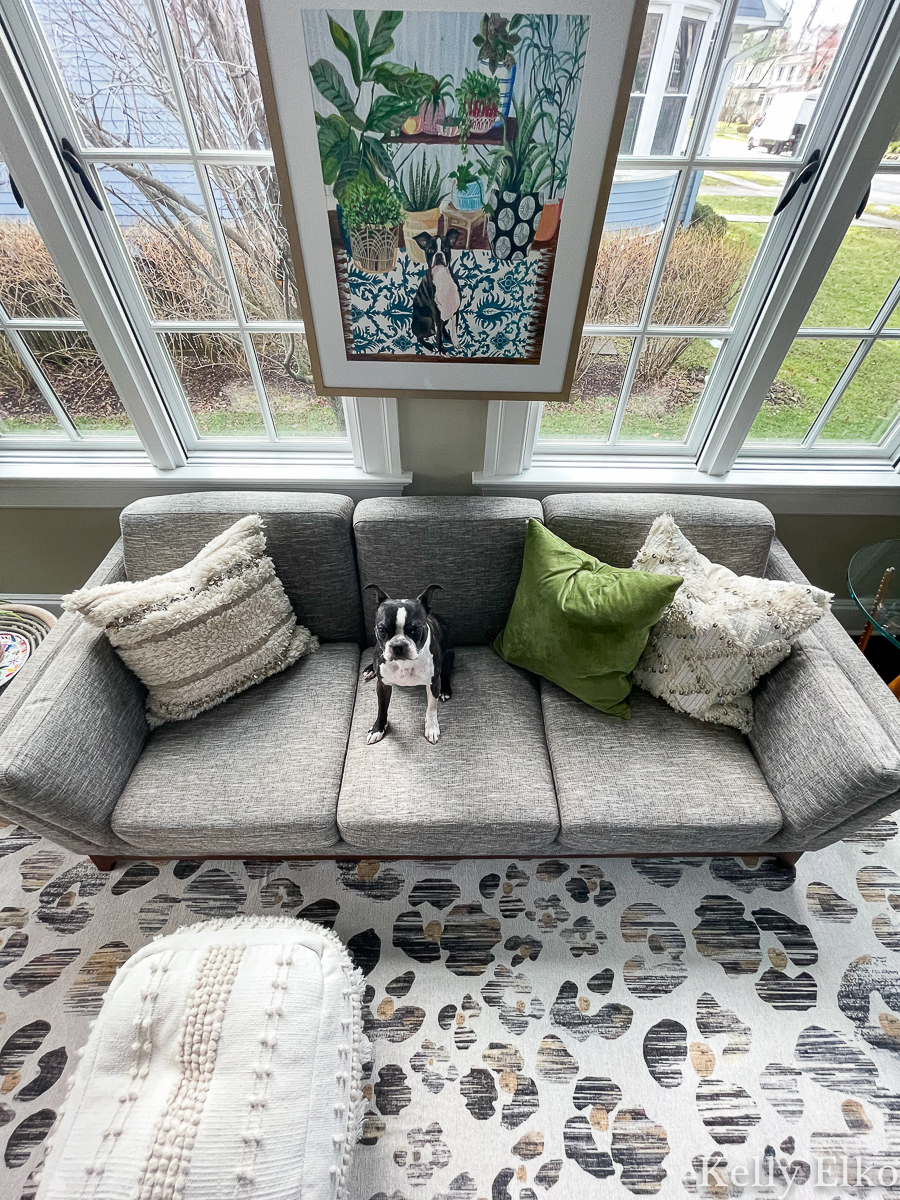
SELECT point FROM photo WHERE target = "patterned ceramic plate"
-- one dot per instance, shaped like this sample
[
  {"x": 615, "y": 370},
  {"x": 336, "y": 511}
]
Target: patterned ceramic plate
[{"x": 14, "y": 652}]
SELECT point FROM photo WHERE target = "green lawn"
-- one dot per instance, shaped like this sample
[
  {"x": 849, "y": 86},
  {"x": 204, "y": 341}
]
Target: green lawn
[{"x": 859, "y": 279}]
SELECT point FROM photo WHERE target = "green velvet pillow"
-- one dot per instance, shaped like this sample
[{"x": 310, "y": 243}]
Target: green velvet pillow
[{"x": 581, "y": 623}]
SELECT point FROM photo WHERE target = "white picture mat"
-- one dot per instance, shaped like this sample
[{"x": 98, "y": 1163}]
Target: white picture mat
[{"x": 610, "y": 23}]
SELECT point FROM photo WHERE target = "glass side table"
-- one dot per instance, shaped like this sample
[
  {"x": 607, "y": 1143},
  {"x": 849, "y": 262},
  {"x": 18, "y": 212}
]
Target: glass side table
[{"x": 874, "y": 581}]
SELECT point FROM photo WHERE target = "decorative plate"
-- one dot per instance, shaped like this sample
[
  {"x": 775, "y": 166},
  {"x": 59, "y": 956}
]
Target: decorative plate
[{"x": 14, "y": 652}]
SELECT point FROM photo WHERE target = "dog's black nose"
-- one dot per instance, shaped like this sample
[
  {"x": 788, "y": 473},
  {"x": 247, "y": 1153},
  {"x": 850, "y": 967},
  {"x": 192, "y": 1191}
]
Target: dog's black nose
[{"x": 399, "y": 649}]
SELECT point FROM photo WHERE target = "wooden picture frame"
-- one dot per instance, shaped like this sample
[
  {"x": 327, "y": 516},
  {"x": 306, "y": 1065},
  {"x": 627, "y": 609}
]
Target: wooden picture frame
[{"x": 403, "y": 301}]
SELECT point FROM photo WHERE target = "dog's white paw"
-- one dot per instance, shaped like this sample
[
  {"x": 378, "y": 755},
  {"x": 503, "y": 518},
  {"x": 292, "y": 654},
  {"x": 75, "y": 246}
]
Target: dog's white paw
[
  {"x": 369, "y": 674},
  {"x": 432, "y": 729},
  {"x": 375, "y": 735},
  {"x": 444, "y": 697}
]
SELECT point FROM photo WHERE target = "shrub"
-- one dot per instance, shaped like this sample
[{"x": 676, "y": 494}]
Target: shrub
[
  {"x": 706, "y": 216},
  {"x": 703, "y": 274}
]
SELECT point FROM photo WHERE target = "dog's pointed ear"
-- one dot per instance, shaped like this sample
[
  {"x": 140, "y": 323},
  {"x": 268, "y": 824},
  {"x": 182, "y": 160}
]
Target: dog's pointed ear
[
  {"x": 380, "y": 594},
  {"x": 423, "y": 240},
  {"x": 452, "y": 236},
  {"x": 425, "y": 597}
]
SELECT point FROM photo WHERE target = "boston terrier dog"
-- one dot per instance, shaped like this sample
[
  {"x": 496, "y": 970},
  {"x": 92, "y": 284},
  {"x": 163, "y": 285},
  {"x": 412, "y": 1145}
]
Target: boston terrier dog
[
  {"x": 437, "y": 299},
  {"x": 410, "y": 651}
]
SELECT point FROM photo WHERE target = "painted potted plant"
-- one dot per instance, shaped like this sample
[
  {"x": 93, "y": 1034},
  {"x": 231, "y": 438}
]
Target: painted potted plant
[
  {"x": 372, "y": 215},
  {"x": 420, "y": 193},
  {"x": 516, "y": 173},
  {"x": 434, "y": 109},
  {"x": 496, "y": 40},
  {"x": 351, "y": 139},
  {"x": 467, "y": 194},
  {"x": 478, "y": 98},
  {"x": 555, "y": 70}
]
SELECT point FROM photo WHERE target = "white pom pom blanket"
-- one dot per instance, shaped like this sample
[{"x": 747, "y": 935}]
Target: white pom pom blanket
[{"x": 226, "y": 1062}]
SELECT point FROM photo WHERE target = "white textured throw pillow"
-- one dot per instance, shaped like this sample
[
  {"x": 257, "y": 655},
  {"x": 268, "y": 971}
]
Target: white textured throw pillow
[
  {"x": 226, "y": 1064},
  {"x": 204, "y": 632},
  {"x": 721, "y": 633}
]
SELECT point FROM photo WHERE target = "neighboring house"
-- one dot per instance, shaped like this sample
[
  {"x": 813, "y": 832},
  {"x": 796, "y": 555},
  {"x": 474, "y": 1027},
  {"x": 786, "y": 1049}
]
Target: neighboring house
[
  {"x": 802, "y": 69},
  {"x": 674, "y": 48}
]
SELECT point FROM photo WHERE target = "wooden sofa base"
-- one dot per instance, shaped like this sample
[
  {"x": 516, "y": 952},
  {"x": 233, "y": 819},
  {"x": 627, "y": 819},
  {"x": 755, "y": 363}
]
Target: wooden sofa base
[{"x": 107, "y": 863}]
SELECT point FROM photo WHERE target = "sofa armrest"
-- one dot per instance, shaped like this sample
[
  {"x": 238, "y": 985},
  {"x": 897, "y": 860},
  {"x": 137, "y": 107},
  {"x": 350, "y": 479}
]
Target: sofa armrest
[
  {"x": 827, "y": 743},
  {"x": 72, "y": 727}
]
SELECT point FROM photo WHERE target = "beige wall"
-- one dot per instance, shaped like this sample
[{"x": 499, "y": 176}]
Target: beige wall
[{"x": 51, "y": 550}]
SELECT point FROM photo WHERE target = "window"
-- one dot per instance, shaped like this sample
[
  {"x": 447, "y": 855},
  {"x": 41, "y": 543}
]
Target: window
[
  {"x": 179, "y": 216},
  {"x": 639, "y": 85},
  {"x": 697, "y": 346},
  {"x": 684, "y": 59}
]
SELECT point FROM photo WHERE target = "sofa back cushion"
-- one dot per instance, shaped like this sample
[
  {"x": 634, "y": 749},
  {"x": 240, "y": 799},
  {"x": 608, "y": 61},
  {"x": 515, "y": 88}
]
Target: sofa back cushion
[
  {"x": 471, "y": 545},
  {"x": 308, "y": 537},
  {"x": 613, "y": 525}
]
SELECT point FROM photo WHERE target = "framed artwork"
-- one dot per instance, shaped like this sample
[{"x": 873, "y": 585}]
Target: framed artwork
[{"x": 445, "y": 173}]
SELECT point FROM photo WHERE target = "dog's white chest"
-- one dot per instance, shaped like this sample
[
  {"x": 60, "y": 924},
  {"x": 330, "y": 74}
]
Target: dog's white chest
[
  {"x": 417, "y": 672},
  {"x": 446, "y": 293}
]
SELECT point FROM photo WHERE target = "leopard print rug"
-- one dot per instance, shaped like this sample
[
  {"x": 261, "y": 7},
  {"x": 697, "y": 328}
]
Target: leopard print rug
[{"x": 543, "y": 1029}]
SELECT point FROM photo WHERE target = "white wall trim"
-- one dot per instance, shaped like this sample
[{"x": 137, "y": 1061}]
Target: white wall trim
[
  {"x": 791, "y": 487},
  {"x": 60, "y": 479}
]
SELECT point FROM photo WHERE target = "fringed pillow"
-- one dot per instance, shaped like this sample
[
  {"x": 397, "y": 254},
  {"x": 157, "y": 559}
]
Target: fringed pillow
[
  {"x": 721, "y": 633},
  {"x": 204, "y": 632}
]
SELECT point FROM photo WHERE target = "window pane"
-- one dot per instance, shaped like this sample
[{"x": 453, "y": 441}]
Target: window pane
[
  {"x": 30, "y": 285},
  {"x": 249, "y": 207},
  {"x": 638, "y": 205},
  {"x": 645, "y": 54},
  {"x": 711, "y": 254},
  {"x": 687, "y": 47},
  {"x": 772, "y": 94},
  {"x": 110, "y": 56},
  {"x": 667, "y": 126},
  {"x": 72, "y": 367},
  {"x": 296, "y": 409},
  {"x": 629, "y": 130},
  {"x": 23, "y": 410},
  {"x": 872, "y": 399},
  {"x": 803, "y": 384},
  {"x": 862, "y": 273},
  {"x": 217, "y": 382},
  {"x": 670, "y": 378},
  {"x": 219, "y": 71},
  {"x": 166, "y": 229},
  {"x": 599, "y": 374}
]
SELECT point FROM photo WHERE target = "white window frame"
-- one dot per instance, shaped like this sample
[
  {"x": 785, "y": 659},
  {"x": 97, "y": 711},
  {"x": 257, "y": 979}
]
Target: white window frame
[
  {"x": 93, "y": 262},
  {"x": 865, "y": 88}
]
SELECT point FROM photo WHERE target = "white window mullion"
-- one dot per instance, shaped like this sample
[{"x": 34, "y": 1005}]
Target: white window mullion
[
  {"x": 33, "y": 158},
  {"x": 22, "y": 349}
]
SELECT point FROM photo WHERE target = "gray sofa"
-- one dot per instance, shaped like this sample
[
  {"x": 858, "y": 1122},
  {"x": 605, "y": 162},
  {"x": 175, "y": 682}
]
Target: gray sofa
[{"x": 521, "y": 768}]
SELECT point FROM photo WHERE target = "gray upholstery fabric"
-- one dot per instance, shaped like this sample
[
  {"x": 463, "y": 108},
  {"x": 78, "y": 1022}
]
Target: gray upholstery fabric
[
  {"x": 73, "y": 727},
  {"x": 823, "y": 753},
  {"x": 613, "y": 525},
  {"x": 307, "y": 536},
  {"x": 471, "y": 545},
  {"x": 484, "y": 788},
  {"x": 829, "y": 635},
  {"x": 659, "y": 782},
  {"x": 257, "y": 775}
]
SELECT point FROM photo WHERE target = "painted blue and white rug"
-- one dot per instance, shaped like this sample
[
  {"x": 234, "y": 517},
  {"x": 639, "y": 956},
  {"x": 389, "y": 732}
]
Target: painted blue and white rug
[{"x": 541, "y": 1028}]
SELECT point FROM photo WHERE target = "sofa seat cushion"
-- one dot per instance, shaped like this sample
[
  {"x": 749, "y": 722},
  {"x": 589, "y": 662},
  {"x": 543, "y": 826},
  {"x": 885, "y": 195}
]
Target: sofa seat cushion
[
  {"x": 661, "y": 782},
  {"x": 484, "y": 788},
  {"x": 258, "y": 775}
]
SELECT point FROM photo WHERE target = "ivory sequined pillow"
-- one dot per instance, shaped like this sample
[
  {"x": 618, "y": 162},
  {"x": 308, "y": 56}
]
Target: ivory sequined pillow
[
  {"x": 721, "y": 633},
  {"x": 204, "y": 632}
]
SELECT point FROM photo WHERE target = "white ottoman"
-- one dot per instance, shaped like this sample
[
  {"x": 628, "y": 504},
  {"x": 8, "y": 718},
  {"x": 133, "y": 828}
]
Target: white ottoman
[{"x": 226, "y": 1062}]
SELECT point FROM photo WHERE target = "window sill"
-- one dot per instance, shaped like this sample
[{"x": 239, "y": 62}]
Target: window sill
[
  {"x": 103, "y": 479},
  {"x": 798, "y": 486}
]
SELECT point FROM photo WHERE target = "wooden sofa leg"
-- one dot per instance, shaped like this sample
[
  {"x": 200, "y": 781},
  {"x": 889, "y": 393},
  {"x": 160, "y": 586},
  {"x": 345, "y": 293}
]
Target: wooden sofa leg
[
  {"x": 102, "y": 862},
  {"x": 791, "y": 858}
]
